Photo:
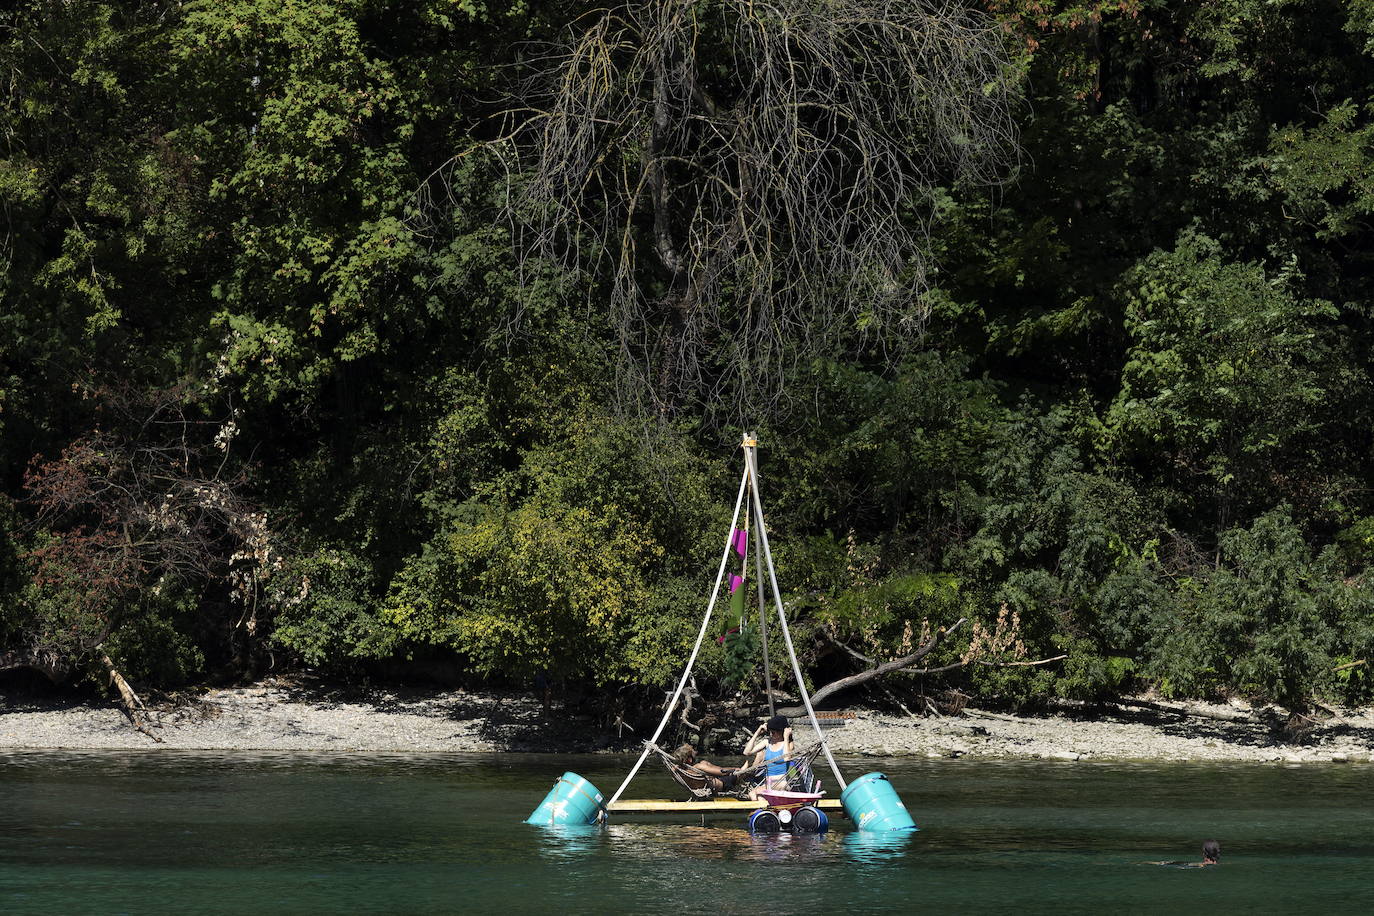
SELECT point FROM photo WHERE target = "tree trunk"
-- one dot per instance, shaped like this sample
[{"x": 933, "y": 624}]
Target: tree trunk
[{"x": 133, "y": 706}]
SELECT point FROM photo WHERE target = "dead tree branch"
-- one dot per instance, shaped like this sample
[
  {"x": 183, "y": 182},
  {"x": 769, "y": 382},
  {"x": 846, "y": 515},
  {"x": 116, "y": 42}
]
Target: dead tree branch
[
  {"x": 146, "y": 501},
  {"x": 133, "y": 705},
  {"x": 750, "y": 181},
  {"x": 1005, "y": 636},
  {"x": 897, "y": 664}
]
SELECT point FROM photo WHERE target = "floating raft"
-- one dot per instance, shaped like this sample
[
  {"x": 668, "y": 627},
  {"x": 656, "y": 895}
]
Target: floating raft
[{"x": 714, "y": 806}]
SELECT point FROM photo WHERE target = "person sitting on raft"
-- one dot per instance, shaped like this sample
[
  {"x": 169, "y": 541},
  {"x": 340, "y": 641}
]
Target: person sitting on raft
[
  {"x": 719, "y": 777},
  {"x": 772, "y": 752}
]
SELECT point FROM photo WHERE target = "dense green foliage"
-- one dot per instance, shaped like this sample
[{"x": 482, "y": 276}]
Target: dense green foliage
[{"x": 262, "y": 403}]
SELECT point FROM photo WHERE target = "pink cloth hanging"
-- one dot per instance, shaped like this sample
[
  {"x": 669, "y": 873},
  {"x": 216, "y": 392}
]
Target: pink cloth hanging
[{"x": 741, "y": 542}]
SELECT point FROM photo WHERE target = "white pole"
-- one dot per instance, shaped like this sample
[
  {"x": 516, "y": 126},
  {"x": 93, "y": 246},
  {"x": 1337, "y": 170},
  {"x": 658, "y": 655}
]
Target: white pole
[
  {"x": 701, "y": 634},
  {"x": 763, "y": 627},
  {"x": 752, "y": 463}
]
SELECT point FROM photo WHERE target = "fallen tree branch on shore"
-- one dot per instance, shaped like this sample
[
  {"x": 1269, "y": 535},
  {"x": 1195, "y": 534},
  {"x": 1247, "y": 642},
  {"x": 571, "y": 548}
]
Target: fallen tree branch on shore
[
  {"x": 905, "y": 663},
  {"x": 897, "y": 664},
  {"x": 1038, "y": 661},
  {"x": 133, "y": 705}
]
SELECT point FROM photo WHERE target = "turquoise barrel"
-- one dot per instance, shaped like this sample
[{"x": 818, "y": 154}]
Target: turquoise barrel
[
  {"x": 572, "y": 800},
  {"x": 872, "y": 804}
]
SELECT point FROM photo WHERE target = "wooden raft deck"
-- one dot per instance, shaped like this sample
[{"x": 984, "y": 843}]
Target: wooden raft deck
[{"x": 714, "y": 806}]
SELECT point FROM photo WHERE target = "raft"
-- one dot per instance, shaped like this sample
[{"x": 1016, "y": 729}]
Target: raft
[
  {"x": 726, "y": 806},
  {"x": 870, "y": 802}
]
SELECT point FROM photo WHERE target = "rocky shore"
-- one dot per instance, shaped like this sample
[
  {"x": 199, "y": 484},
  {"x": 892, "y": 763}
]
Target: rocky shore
[{"x": 282, "y": 716}]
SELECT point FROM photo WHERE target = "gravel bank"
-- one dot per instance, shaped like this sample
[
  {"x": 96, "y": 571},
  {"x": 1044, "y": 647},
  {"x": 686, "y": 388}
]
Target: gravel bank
[
  {"x": 285, "y": 716},
  {"x": 1117, "y": 734}
]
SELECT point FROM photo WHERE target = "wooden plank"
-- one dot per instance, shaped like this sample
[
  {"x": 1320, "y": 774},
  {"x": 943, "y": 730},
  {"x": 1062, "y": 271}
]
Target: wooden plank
[{"x": 714, "y": 806}]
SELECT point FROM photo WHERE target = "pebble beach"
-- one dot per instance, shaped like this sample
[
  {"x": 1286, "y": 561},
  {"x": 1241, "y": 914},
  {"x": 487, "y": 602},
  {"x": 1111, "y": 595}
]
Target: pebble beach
[{"x": 281, "y": 716}]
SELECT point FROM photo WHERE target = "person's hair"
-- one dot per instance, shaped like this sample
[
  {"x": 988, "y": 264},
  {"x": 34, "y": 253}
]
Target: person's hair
[
  {"x": 777, "y": 724},
  {"x": 1211, "y": 850},
  {"x": 684, "y": 754}
]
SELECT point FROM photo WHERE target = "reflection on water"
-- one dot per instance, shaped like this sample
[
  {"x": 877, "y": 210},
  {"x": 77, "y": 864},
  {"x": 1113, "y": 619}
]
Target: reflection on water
[
  {"x": 569, "y": 841},
  {"x": 878, "y": 848},
  {"x": 713, "y": 843}
]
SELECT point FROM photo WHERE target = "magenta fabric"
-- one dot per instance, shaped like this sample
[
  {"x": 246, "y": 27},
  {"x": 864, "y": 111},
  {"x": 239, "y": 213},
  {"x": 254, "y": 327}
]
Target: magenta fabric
[
  {"x": 734, "y": 583},
  {"x": 741, "y": 541}
]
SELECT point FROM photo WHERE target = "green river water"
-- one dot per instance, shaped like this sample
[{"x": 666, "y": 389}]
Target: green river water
[{"x": 168, "y": 832}]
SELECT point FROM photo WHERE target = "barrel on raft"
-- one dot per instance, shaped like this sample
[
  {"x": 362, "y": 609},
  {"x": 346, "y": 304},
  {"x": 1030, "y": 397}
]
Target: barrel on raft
[
  {"x": 572, "y": 800},
  {"x": 807, "y": 819},
  {"x": 873, "y": 806}
]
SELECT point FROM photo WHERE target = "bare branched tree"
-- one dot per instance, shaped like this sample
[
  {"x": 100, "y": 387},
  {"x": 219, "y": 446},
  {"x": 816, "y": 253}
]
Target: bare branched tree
[
  {"x": 147, "y": 500},
  {"x": 750, "y": 182}
]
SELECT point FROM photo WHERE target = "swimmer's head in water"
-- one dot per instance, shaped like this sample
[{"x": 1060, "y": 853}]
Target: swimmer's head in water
[{"x": 1211, "y": 850}]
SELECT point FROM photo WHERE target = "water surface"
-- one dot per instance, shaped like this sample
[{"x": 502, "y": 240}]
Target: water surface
[{"x": 158, "y": 831}]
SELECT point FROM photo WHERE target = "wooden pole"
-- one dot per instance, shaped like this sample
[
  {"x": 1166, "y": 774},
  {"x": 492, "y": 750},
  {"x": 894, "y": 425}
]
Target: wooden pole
[{"x": 749, "y": 442}]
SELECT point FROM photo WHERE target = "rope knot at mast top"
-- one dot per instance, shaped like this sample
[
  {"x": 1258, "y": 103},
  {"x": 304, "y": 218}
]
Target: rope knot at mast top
[{"x": 748, "y": 481}]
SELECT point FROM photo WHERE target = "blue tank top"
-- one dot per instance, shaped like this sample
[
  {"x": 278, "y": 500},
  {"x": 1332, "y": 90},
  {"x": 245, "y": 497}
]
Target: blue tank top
[{"x": 775, "y": 761}]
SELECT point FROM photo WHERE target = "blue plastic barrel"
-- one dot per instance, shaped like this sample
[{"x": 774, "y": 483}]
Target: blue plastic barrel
[
  {"x": 572, "y": 800},
  {"x": 810, "y": 819},
  {"x": 872, "y": 804},
  {"x": 764, "y": 820}
]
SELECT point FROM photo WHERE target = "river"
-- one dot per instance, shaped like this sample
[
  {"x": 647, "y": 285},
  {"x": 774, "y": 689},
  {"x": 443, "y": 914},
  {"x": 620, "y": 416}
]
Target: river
[{"x": 160, "y": 832}]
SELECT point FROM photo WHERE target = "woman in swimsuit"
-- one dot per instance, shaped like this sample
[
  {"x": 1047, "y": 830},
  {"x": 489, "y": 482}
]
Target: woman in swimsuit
[{"x": 772, "y": 752}]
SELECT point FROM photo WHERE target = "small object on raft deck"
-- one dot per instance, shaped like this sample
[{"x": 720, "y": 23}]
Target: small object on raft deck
[
  {"x": 713, "y": 806},
  {"x": 782, "y": 798}
]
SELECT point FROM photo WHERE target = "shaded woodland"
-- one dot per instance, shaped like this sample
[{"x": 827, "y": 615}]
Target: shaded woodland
[{"x": 415, "y": 340}]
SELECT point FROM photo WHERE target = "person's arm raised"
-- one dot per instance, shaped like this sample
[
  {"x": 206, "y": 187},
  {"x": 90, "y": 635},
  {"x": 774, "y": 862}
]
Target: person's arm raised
[{"x": 755, "y": 740}]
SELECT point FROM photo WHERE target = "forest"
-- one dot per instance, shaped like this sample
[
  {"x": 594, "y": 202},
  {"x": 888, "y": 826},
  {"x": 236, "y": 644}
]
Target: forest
[{"x": 415, "y": 341}]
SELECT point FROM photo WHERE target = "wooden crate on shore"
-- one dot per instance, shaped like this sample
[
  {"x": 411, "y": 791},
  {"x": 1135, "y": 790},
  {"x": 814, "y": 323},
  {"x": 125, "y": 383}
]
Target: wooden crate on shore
[{"x": 828, "y": 719}]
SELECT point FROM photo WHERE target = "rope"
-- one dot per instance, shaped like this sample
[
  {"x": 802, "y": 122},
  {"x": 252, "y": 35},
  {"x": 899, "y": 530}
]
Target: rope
[
  {"x": 701, "y": 635},
  {"x": 751, "y": 473}
]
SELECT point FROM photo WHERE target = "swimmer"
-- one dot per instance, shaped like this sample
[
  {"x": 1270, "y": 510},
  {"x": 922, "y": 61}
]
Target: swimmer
[{"x": 1211, "y": 855}]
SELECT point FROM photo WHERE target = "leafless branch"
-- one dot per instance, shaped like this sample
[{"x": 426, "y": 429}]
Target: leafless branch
[
  {"x": 749, "y": 183},
  {"x": 142, "y": 501}
]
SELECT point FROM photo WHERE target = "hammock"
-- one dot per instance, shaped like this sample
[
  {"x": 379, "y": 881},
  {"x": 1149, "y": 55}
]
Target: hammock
[{"x": 800, "y": 778}]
